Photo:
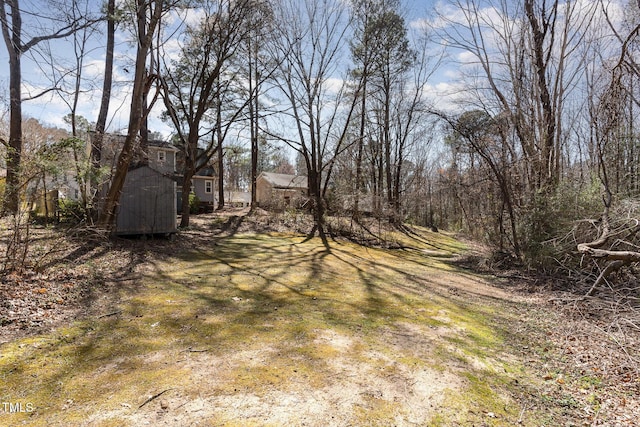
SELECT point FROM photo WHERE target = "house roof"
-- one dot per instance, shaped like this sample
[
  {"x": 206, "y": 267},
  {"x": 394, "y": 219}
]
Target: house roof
[
  {"x": 163, "y": 145},
  {"x": 280, "y": 180}
]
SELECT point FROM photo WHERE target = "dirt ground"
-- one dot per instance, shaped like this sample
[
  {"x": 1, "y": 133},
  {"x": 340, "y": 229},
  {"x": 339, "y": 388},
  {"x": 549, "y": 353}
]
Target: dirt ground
[{"x": 583, "y": 353}]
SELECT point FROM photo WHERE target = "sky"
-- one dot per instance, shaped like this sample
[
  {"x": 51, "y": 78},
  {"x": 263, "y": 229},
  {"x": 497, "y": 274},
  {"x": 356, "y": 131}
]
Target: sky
[{"x": 51, "y": 108}]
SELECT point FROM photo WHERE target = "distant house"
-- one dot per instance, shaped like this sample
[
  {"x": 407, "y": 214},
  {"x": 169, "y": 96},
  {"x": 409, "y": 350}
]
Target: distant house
[
  {"x": 276, "y": 190},
  {"x": 161, "y": 155},
  {"x": 205, "y": 186}
]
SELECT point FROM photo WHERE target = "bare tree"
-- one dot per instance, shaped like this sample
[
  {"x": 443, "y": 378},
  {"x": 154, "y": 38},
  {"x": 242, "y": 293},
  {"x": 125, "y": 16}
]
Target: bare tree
[
  {"x": 615, "y": 246},
  {"x": 527, "y": 60},
  {"x": 11, "y": 15},
  {"x": 310, "y": 39},
  {"x": 204, "y": 79},
  {"x": 101, "y": 122}
]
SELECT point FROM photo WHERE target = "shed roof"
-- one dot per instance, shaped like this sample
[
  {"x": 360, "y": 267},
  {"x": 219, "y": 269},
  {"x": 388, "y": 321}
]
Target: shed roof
[{"x": 280, "y": 180}]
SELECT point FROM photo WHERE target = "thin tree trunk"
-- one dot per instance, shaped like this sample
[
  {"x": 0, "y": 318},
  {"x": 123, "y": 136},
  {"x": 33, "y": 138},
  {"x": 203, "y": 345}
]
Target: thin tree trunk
[
  {"x": 14, "y": 152},
  {"x": 98, "y": 137},
  {"x": 186, "y": 206},
  {"x": 220, "y": 176},
  {"x": 96, "y": 147},
  {"x": 363, "y": 123},
  {"x": 253, "y": 113}
]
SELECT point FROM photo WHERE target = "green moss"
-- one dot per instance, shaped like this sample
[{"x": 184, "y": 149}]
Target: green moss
[
  {"x": 374, "y": 411},
  {"x": 303, "y": 313},
  {"x": 589, "y": 381}
]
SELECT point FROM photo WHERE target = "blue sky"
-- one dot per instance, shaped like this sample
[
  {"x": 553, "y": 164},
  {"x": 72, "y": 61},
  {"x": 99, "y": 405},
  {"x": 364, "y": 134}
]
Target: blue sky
[{"x": 51, "y": 109}]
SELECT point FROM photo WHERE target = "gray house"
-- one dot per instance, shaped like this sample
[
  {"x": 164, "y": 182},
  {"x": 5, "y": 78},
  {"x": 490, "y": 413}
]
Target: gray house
[{"x": 205, "y": 186}]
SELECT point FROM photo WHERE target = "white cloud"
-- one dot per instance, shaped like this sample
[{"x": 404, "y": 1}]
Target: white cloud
[
  {"x": 333, "y": 85},
  {"x": 445, "y": 96}
]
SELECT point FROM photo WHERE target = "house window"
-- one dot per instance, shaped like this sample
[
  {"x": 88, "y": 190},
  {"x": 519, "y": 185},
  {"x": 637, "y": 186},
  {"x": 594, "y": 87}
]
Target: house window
[
  {"x": 208, "y": 187},
  {"x": 162, "y": 156}
]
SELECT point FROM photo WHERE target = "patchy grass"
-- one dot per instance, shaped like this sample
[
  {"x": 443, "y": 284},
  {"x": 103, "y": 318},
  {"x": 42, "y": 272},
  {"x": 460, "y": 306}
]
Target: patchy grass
[{"x": 273, "y": 329}]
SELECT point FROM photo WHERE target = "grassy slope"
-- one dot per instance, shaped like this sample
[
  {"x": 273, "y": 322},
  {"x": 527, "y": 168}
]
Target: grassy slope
[{"x": 273, "y": 330}]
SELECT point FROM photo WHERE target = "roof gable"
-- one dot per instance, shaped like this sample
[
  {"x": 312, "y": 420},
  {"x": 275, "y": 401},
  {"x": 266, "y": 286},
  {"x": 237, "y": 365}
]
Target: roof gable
[{"x": 280, "y": 180}]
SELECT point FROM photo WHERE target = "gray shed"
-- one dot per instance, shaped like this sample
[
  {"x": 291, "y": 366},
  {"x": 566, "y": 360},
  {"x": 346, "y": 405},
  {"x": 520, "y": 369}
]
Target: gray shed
[{"x": 147, "y": 204}]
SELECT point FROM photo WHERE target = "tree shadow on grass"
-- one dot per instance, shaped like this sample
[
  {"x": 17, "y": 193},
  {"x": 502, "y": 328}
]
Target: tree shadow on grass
[{"x": 249, "y": 294}]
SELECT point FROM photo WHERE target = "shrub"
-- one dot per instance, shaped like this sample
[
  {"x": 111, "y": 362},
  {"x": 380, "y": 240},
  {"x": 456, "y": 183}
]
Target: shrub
[
  {"x": 70, "y": 210},
  {"x": 194, "y": 203}
]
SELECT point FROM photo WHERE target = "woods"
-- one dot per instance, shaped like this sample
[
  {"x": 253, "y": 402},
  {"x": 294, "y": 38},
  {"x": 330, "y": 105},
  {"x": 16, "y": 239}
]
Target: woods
[
  {"x": 513, "y": 123},
  {"x": 385, "y": 212}
]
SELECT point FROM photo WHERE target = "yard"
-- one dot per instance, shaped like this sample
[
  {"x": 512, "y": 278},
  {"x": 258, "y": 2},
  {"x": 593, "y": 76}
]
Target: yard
[{"x": 239, "y": 326}]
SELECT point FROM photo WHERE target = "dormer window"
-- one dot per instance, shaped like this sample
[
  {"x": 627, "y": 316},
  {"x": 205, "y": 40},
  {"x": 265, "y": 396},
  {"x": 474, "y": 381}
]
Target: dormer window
[{"x": 162, "y": 156}]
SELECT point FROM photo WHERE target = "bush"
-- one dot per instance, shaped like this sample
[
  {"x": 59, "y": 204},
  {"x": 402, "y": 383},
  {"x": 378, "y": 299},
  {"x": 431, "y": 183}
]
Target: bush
[
  {"x": 194, "y": 204},
  {"x": 547, "y": 226},
  {"x": 70, "y": 210}
]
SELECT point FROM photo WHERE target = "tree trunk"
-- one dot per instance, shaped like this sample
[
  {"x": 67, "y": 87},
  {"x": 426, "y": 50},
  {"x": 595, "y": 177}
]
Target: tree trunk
[
  {"x": 220, "y": 176},
  {"x": 13, "y": 42},
  {"x": 96, "y": 147},
  {"x": 98, "y": 137},
  {"x": 186, "y": 191},
  {"x": 14, "y": 153},
  {"x": 145, "y": 33},
  {"x": 386, "y": 132},
  {"x": 253, "y": 123}
]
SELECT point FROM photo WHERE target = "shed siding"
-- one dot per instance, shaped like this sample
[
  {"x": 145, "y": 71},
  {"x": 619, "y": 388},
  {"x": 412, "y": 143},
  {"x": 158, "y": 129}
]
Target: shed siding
[{"x": 147, "y": 204}]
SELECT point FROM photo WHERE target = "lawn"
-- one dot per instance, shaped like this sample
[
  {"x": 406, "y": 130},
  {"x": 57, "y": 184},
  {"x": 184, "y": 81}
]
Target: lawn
[{"x": 275, "y": 329}]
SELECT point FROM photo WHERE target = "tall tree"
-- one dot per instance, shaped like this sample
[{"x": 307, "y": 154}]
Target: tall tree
[
  {"x": 204, "y": 79},
  {"x": 101, "y": 122},
  {"x": 11, "y": 15},
  {"x": 259, "y": 68},
  {"x": 362, "y": 53},
  {"x": 148, "y": 15},
  {"x": 527, "y": 61},
  {"x": 310, "y": 40},
  {"x": 69, "y": 83}
]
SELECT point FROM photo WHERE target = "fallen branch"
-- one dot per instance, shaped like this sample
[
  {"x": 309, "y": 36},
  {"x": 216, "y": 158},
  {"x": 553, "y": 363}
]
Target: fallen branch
[
  {"x": 616, "y": 258},
  {"x": 192, "y": 350},
  {"x": 113, "y": 313},
  {"x": 155, "y": 396},
  {"x": 611, "y": 267}
]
